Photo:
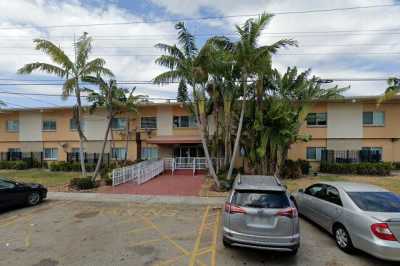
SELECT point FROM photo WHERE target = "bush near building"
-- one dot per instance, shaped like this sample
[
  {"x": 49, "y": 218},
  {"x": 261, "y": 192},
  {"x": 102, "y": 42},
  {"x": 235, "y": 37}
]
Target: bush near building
[
  {"x": 15, "y": 165},
  {"x": 70, "y": 167},
  {"x": 379, "y": 169}
]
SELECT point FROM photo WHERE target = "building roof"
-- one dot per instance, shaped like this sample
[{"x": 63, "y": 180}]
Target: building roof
[{"x": 352, "y": 99}]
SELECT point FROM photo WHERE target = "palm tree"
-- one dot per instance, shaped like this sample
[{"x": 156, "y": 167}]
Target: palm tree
[
  {"x": 392, "y": 90},
  {"x": 251, "y": 59},
  {"x": 73, "y": 71},
  {"x": 113, "y": 99},
  {"x": 181, "y": 64}
]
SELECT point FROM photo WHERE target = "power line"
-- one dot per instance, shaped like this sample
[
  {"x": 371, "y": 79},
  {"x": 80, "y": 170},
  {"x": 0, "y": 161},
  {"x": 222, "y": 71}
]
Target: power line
[{"x": 148, "y": 21}]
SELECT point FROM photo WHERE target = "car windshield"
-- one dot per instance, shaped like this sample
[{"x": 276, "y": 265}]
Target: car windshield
[
  {"x": 261, "y": 199},
  {"x": 6, "y": 179},
  {"x": 376, "y": 201}
]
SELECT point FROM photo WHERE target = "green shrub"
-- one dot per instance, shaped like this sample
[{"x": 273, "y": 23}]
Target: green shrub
[
  {"x": 82, "y": 183},
  {"x": 396, "y": 165},
  {"x": 379, "y": 169},
  {"x": 16, "y": 165},
  {"x": 69, "y": 166}
]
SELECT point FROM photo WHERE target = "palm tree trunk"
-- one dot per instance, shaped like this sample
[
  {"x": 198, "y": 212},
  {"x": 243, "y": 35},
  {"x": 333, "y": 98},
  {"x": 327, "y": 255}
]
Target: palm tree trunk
[
  {"x": 237, "y": 139},
  {"x": 79, "y": 129},
  {"x": 203, "y": 123},
  {"x": 99, "y": 162}
]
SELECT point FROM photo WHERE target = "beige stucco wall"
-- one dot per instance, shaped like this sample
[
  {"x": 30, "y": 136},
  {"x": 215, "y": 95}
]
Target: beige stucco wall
[
  {"x": 344, "y": 144},
  {"x": 164, "y": 120},
  {"x": 391, "y": 129},
  {"x": 4, "y": 135},
  {"x": 30, "y": 126},
  {"x": 345, "y": 120}
]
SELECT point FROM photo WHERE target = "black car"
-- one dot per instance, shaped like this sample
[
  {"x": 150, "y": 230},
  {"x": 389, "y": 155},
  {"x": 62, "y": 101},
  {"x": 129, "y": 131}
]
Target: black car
[{"x": 15, "y": 193}]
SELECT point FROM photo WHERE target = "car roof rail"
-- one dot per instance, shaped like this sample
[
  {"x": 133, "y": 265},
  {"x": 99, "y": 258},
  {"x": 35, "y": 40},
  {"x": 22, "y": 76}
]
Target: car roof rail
[{"x": 239, "y": 179}]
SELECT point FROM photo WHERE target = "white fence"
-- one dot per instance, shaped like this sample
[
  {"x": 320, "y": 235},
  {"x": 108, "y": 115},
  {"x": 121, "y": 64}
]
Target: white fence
[
  {"x": 137, "y": 173},
  {"x": 188, "y": 163}
]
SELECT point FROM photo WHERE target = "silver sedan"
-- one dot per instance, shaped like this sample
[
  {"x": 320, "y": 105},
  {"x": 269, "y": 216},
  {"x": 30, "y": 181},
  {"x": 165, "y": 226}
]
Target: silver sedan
[{"x": 360, "y": 216}]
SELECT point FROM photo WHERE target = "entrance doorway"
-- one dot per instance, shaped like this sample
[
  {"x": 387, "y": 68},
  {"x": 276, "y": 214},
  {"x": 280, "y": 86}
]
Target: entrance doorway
[{"x": 188, "y": 150}]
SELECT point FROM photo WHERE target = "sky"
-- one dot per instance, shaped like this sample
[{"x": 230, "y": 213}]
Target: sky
[{"x": 343, "y": 44}]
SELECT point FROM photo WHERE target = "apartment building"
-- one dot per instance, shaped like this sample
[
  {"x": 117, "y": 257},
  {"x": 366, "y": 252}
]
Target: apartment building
[{"x": 165, "y": 130}]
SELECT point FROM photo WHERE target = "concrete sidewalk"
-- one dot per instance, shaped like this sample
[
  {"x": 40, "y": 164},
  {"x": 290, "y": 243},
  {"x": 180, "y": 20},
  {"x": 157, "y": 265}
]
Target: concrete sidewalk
[{"x": 106, "y": 197}]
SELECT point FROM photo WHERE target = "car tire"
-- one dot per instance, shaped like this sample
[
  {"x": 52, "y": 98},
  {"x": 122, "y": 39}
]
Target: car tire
[
  {"x": 342, "y": 238},
  {"x": 34, "y": 198}
]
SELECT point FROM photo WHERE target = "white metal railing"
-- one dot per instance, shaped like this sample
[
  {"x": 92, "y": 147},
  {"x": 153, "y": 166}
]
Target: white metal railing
[
  {"x": 188, "y": 163},
  {"x": 137, "y": 173}
]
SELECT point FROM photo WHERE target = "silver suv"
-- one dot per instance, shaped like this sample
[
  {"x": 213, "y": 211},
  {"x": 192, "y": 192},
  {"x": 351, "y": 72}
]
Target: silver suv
[{"x": 259, "y": 214}]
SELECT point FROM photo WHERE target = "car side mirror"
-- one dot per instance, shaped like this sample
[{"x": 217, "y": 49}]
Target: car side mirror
[{"x": 301, "y": 190}]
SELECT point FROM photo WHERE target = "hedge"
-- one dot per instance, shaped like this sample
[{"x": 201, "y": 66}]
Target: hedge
[
  {"x": 380, "y": 169},
  {"x": 70, "y": 167},
  {"x": 295, "y": 169},
  {"x": 16, "y": 165},
  {"x": 82, "y": 183}
]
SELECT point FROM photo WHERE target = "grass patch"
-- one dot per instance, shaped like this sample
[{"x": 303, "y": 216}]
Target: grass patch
[
  {"x": 391, "y": 183},
  {"x": 44, "y": 177}
]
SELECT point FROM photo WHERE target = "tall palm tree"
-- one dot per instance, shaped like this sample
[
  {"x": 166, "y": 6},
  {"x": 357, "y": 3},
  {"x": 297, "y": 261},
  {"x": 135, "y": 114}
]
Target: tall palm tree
[
  {"x": 110, "y": 97},
  {"x": 251, "y": 59},
  {"x": 181, "y": 63},
  {"x": 73, "y": 71}
]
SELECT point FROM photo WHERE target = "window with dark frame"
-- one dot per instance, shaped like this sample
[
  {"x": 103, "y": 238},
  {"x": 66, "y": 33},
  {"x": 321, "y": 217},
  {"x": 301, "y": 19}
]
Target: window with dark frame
[
  {"x": 49, "y": 125},
  {"x": 149, "y": 122},
  {"x": 184, "y": 121},
  {"x": 317, "y": 119},
  {"x": 12, "y": 125},
  {"x": 374, "y": 118}
]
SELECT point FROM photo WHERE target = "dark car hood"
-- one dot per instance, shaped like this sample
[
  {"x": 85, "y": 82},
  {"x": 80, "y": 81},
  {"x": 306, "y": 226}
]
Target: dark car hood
[{"x": 32, "y": 185}]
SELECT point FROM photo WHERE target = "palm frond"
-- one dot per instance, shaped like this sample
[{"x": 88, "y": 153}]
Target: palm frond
[
  {"x": 273, "y": 48},
  {"x": 167, "y": 77},
  {"x": 96, "y": 67},
  {"x": 168, "y": 61},
  {"x": 391, "y": 91},
  {"x": 68, "y": 87},
  {"x": 43, "y": 67},
  {"x": 186, "y": 39},
  {"x": 257, "y": 26},
  {"x": 171, "y": 50},
  {"x": 56, "y": 53},
  {"x": 83, "y": 47}
]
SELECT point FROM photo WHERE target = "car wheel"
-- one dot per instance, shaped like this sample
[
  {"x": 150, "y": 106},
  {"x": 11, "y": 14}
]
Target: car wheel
[
  {"x": 34, "y": 198},
  {"x": 342, "y": 238}
]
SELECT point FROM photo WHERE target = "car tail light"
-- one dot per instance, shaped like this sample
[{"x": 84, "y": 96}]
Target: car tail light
[
  {"x": 289, "y": 212},
  {"x": 382, "y": 231},
  {"x": 230, "y": 208}
]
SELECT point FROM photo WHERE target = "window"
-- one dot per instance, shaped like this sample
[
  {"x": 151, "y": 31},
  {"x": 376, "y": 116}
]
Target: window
[
  {"x": 12, "y": 126},
  {"x": 315, "y": 191},
  {"x": 118, "y": 153},
  {"x": 317, "y": 119},
  {"x": 150, "y": 153},
  {"x": 118, "y": 123},
  {"x": 315, "y": 153},
  {"x": 73, "y": 124},
  {"x": 50, "y": 153},
  {"x": 185, "y": 122},
  {"x": 374, "y": 118},
  {"x": 376, "y": 201},
  {"x": 261, "y": 199},
  {"x": 371, "y": 154},
  {"x": 4, "y": 184},
  {"x": 14, "y": 154},
  {"x": 49, "y": 125},
  {"x": 149, "y": 122},
  {"x": 332, "y": 195}
]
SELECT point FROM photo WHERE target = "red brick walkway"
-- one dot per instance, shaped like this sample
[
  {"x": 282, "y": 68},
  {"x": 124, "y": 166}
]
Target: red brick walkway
[{"x": 180, "y": 184}]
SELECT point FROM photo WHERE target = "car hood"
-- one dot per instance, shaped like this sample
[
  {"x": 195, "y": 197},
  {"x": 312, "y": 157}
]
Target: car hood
[{"x": 32, "y": 185}]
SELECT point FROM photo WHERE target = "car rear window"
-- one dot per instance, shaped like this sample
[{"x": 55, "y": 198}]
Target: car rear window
[
  {"x": 261, "y": 199},
  {"x": 376, "y": 201}
]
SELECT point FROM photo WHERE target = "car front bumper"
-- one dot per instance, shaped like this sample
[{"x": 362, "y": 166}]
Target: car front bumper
[{"x": 287, "y": 243}]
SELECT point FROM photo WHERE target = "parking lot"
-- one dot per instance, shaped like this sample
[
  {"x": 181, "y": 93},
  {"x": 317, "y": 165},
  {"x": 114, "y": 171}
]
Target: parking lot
[{"x": 127, "y": 233}]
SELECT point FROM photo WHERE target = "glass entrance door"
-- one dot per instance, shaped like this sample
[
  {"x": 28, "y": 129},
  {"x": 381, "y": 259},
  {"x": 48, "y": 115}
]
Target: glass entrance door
[{"x": 188, "y": 151}]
